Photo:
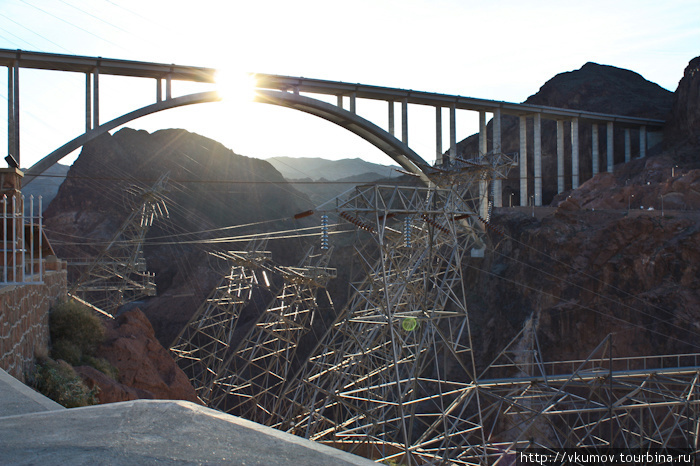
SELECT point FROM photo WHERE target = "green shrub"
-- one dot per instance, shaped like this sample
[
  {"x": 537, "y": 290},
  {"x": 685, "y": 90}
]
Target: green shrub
[
  {"x": 72, "y": 322},
  {"x": 102, "y": 365},
  {"x": 68, "y": 351},
  {"x": 58, "y": 381},
  {"x": 76, "y": 332}
]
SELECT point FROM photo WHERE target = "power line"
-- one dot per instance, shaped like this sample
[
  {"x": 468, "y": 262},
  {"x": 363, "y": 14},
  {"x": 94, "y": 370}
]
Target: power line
[
  {"x": 36, "y": 33},
  {"x": 149, "y": 180},
  {"x": 72, "y": 24}
]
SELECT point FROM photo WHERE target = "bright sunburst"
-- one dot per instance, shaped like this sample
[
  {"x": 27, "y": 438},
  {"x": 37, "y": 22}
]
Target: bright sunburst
[{"x": 235, "y": 86}]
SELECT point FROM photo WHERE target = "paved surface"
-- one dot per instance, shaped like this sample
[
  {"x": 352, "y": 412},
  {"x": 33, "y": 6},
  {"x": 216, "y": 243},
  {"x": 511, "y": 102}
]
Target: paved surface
[
  {"x": 17, "y": 398},
  {"x": 144, "y": 432}
]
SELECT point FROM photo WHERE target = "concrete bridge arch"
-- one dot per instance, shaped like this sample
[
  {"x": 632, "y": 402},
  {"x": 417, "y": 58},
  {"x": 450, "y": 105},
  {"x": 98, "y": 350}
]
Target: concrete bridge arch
[{"x": 386, "y": 142}]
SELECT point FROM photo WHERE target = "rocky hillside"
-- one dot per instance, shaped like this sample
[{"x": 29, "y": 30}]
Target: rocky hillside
[
  {"x": 594, "y": 88},
  {"x": 608, "y": 260},
  {"x": 47, "y": 184},
  {"x": 209, "y": 188},
  {"x": 145, "y": 368},
  {"x": 601, "y": 262},
  {"x": 314, "y": 168}
]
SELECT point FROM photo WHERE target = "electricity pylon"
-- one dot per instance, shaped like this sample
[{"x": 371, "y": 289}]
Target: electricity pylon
[
  {"x": 118, "y": 274},
  {"x": 206, "y": 342},
  {"x": 255, "y": 375},
  {"x": 379, "y": 380}
]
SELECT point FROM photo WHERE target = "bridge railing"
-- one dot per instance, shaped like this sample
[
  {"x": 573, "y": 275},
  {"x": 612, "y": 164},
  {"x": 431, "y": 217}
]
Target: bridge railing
[
  {"x": 22, "y": 243},
  {"x": 603, "y": 364}
]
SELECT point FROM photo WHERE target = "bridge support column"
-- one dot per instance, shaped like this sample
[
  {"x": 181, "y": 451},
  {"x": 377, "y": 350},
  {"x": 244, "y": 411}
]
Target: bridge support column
[
  {"x": 628, "y": 146},
  {"x": 168, "y": 87},
  {"x": 88, "y": 103},
  {"x": 391, "y": 118},
  {"x": 159, "y": 90},
  {"x": 13, "y": 110},
  {"x": 453, "y": 131},
  {"x": 497, "y": 183},
  {"x": 574, "y": 154},
  {"x": 610, "y": 141},
  {"x": 96, "y": 98},
  {"x": 522, "y": 160},
  {"x": 438, "y": 136},
  {"x": 538, "y": 159},
  {"x": 483, "y": 184},
  {"x": 353, "y": 102},
  {"x": 642, "y": 142},
  {"x": 560, "y": 156},
  {"x": 404, "y": 121},
  {"x": 339, "y": 101},
  {"x": 595, "y": 157}
]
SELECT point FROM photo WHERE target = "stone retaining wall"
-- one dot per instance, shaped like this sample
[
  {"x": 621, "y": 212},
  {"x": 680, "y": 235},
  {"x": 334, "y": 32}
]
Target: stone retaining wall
[{"x": 24, "y": 321}]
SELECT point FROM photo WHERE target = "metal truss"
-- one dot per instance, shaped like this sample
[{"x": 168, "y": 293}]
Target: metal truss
[
  {"x": 394, "y": 377},
  {"x": 118, "y": 274},
  {"x": 205, "y": 343},
  {"x": 602, "y": 402},
  {"x": 254, "y": 376},
  {"x": 377, "y": 382}
]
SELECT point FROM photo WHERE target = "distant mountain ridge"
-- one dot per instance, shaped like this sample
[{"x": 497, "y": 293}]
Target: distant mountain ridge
[
  {"x": 46, "y": 185},
  {"x": 315, "y": 168}
]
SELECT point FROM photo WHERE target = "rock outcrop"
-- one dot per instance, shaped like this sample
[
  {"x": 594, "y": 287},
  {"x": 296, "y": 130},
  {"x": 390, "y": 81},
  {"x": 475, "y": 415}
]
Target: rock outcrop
[
  {"x": 683, "y": 124},
  {"x": 212, "y": 192},
  {"x": 619, "y": 256},
  {"x": 593, "y": 88},
  {"x": 146, "y": 369}
]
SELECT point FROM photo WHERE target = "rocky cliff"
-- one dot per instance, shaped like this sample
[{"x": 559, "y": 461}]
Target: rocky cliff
[
  {"x": 600, "y": 263},
  {"x": 618, "y": 256},
  {"x": 145, "y": 368},
  {"x": 594, "y": 88},
  {"x": 210, "y": 188}
]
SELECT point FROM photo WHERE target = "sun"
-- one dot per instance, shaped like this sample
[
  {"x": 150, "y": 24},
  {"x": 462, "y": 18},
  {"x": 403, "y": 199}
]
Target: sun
[{"x": 235, "y": 86}]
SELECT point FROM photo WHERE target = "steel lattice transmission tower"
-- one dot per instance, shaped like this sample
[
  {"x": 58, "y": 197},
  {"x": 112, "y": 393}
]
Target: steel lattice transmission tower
[
  {"x": 256, "y": 374},
  {"x": 379, "y": 380},
  {"x": 118, "y": 274},
  {"x": 205, "y": 344}
]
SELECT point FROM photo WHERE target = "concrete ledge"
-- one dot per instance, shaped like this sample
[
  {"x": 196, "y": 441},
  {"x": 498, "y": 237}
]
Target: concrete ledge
[
  {"x": 155, "y": 432},
  {"x": 16, "y": 398}
]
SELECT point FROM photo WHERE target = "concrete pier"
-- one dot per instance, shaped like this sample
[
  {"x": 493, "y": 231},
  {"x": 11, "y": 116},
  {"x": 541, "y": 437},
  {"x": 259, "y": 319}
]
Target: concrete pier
[
  {"x": 438, "y": 136},
  {"x": 522, "y": 160},
  {"x": 574, "y": 154},
  {"x": 595, "y": 156},
  {"x": 404, "y": 121},
  {"x": 483, "y": 149},
  {"x": 497, "y": 184},
  {"x": 610, "y": 141},
  {"x": 453, "y": 131},
  {"x": 628, "y": 145},
  {"x": 538, "y": 159},
  {"x": 560, "y": 156}
]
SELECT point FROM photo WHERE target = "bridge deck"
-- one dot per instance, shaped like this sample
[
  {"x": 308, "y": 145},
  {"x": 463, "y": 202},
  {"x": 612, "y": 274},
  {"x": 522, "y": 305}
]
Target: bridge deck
[{"x": 74, "y": 63}]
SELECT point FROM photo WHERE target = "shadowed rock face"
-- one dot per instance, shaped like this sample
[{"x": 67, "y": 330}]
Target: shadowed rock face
[
  {"x": 146, "y": 368},
  {"x": 607, "y": 261},
  {"x": 210, "y": 188},
  {"x": 594, "y": 88},
  {"x": 683, "y": 124}
]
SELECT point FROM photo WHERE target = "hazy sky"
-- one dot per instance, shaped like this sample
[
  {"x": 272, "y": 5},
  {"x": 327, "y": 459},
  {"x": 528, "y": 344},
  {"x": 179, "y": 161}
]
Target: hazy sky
[{"x": 503, "y": 50}]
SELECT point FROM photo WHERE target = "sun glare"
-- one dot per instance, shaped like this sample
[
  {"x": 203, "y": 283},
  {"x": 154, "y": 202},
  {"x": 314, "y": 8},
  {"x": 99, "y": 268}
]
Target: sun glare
[{"x": 235, "y": 86}]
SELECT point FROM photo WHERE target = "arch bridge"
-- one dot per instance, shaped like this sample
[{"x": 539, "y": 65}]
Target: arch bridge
[{"x": 302, "y": 94}]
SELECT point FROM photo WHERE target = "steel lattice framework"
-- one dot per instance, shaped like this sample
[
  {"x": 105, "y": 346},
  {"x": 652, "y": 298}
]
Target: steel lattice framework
[
  {"x": 394, "y": 377},
  {"x": 377, "y": 382},
  {"x": 118, "y": 274},
  {"x": 253, "y": 378},
  {"x": 205, "y": 343}
]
